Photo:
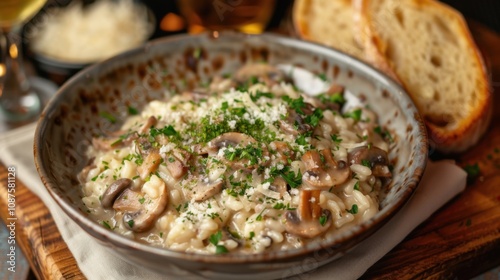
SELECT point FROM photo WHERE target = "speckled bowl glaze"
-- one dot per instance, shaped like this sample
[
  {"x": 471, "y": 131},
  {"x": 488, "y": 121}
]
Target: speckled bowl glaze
[{"x": 134, "y": 78}]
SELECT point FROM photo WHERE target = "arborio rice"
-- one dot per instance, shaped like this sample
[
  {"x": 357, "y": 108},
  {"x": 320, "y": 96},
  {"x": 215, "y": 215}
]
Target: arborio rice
[{"x": 246, "y": 164}]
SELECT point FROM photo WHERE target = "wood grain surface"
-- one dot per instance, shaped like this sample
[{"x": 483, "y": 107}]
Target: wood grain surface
[
  {"x": 459, "y": 241},
  {"x": 37, "y": 234}
]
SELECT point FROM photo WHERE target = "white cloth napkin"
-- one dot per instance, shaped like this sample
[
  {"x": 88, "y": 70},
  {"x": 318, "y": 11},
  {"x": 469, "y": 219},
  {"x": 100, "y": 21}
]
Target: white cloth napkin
[{"x": 442, "y": 181}]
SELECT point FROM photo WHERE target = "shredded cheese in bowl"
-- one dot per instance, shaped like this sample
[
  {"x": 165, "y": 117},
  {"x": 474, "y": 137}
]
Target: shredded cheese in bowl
[{"x": 86, "y": 34}]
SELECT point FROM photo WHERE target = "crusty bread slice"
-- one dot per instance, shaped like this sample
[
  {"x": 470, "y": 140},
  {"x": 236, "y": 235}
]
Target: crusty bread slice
[
  {"x": 429, "y": 47},
  {"x": 329, "y": 22}
]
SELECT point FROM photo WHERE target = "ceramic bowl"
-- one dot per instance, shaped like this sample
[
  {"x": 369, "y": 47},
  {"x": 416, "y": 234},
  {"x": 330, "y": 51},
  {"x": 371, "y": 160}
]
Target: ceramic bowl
[
  {"x": 59, "y": 68},
  {"x": 72, "y": 117}
]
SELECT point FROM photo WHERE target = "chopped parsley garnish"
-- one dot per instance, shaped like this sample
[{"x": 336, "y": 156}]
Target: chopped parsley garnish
[
  {"x": 322, "y": 220},
  {"x": 366, "y": 163},
  {"x": 292, "y": 179},
  {"x": 132, "y": 111},
  {"x": 224, "y": 106},
  {"x": 384, "y": 133},
  {"x": 141, "y": 200},
  {"x": 316, "y": 116},
  {"x": 106, "y": 225},
  {"x": 253, "y": 154},
  {"x": 354, "y": 209},
  {"x": 355, "y": 115},
  {"x": 472, "y": 170},
  {"x": 215, "y": 239},
  {"x": 167, "y": 131},
  {"x": 356, "y": 186},
  {"x": 252, "y": 235},
  {"x": 108, "y": 116},
  {"x": 260, "y": 94},
  {"x": 336, "y": 138},
  {"x": 296, "y": 104},
  {"x": 130, "y": 223},
  {"x": 322, "y": 76},
  {"x": 332, "y": 98}
]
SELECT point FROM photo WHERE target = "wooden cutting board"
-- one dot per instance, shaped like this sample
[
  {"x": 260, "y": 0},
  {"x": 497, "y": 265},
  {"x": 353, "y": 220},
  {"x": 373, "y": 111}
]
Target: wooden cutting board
[{"x": 459, "y": 241}]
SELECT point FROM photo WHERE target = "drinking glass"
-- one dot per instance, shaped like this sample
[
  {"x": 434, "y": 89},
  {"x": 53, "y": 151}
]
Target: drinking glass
[
  {"x": 247, "y": 16},
  {"x": 19, "y": 101}
]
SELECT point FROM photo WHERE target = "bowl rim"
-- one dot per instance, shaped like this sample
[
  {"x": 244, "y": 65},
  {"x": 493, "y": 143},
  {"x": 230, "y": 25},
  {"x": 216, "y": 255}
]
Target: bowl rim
[{"x": 364, "y": 229}]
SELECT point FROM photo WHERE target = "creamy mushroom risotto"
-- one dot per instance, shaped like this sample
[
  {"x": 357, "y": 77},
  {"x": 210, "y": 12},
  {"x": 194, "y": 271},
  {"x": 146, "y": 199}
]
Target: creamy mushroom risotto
[{"x": 248, "y": 163}]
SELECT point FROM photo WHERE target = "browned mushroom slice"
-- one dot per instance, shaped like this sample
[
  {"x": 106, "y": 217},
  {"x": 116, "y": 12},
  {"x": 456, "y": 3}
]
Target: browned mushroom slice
[
  {"x": 283, "y": 152},
  {"x": 113, "y": 191},
  {"x": 150, "y": 122},
  {"x": 373, "y": 157},
  {"x": 141, "y": 213},
  {"x": 205, "y": 190},
  {"x": 295, "y": 123},
  {"x": 109, "y": 143},
  {"x": 266, "y": 73},
  {"x": 279, "y": 186},
  {"x": 128, "y": 200},
  {"x": 150, "y": 164},
  {"x": 240, "y": 141},
  {"x": 309, "y": 220},
  {"x": 85, "y": 171},
  {"x": 176, "y": 162},
  {"x": 323, "y": 171}
]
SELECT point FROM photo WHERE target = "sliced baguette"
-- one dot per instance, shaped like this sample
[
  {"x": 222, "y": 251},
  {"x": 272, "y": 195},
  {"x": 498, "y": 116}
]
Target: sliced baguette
[
  {"x": 329, "y": 22},
  {"x": 429, "y": 47}
]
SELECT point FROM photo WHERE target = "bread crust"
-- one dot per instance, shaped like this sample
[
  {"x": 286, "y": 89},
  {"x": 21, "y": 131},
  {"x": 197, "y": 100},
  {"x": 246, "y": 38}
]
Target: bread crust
[{"x": 467, "y": 130}]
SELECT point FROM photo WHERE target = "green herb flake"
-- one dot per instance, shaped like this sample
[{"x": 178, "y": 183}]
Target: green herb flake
[
  {"x": 106, "y": 225},
  {"x": 355, "y": 115},
  {"x": 337, "y": 98},
  {"x": 108, "y": 116},
  {"x": 94, "y": 178},
  {"x": 366, "y": 163},
  {"x": 132, "y": 111},
  {"x": 322, "y": 76},
  {"x": 167, "y": 131},
  {"x": 316, "y": 116},
  {"x": 219, "y": 249},
  {"x": 296, "y": 104},
  {"x": 252, "y": 235},
  {"x": 356, "y": 186},
  {"x": 472, "y": 170},
  {"x": 141, "y": 200},
  {"x": 354, "y": 209},
  {"x": 130, "y": 223},
  {"x": 260, "y": 94},
  {"x": 322, "y": 220},
  {"x": 336, "y": 138}
]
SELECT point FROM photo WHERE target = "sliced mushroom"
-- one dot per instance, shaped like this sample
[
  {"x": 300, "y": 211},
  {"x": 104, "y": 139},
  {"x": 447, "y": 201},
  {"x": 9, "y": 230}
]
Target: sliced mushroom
[
  {"x": 295, "y": 123},
  {"x": 85, "y": 171},
  {"x": 323, "y": 171},
  {"x": 150, "y": 122},
  {"x": 177, "y": 162},
  {"x": 141, "y": 212},
  {"x": 266, "y": 73},
  {"x": 151, "y": 156},
  {"x": 205, "y": 190},
  {"x": 150, "y": 165},
  {"x": 109, "y": 143},
  {"x": 113, "y": 191},
  {"x": 376, "y": 158},
  {"x": 279, "y": 185},
  {"x": 309, "y": 220},
  {"x": 236, "y": 139},
  {"x": 283, "y": 152}
]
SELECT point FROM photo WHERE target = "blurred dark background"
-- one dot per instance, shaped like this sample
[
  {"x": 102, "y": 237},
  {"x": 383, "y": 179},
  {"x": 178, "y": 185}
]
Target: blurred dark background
[{"x": 486, "y": 12}]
